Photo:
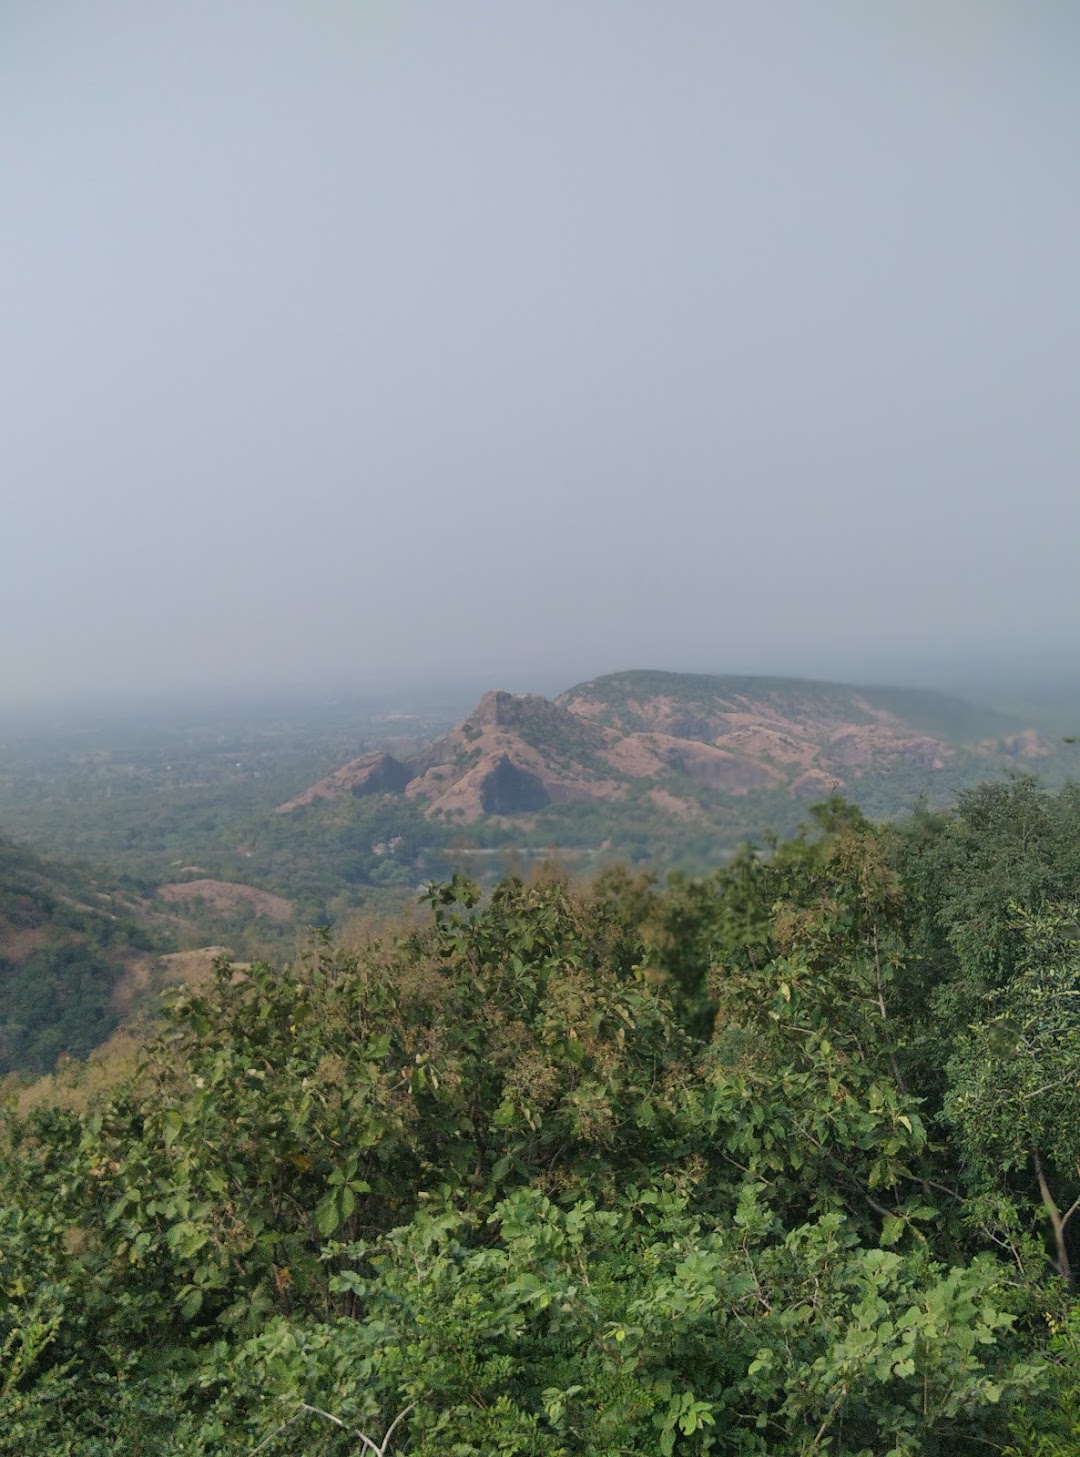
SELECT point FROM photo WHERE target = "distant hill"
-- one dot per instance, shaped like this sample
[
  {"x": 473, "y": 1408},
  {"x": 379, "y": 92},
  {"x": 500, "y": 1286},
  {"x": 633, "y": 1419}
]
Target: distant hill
[
  {"x": 68, "y": 954},
  {"x": 634, "y": 700},
  {"x": 693, "y": 746}
]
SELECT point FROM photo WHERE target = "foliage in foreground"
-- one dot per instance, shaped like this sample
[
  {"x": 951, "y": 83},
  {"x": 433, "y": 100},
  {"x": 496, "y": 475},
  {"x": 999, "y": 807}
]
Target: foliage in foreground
[{"x": 783, "y": 1161}]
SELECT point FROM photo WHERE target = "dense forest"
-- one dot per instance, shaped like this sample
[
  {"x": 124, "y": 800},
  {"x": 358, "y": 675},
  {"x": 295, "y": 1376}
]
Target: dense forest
[{"x": 784, "y": 1159}]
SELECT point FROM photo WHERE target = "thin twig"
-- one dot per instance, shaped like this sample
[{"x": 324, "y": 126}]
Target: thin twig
[
  {"x": 827, "y": 1422},
  {"x": 1056, "y": 1221},
  {"x": 400, "y": 1417},
  {"x": 318, "y": 1412},
  {"x": 369, "y": 1445},
  {"x": 275, "y": 1433}
]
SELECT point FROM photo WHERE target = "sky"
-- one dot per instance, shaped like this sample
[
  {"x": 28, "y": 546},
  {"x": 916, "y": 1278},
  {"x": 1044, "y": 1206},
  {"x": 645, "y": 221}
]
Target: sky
[{"x": 353, "y": 341}]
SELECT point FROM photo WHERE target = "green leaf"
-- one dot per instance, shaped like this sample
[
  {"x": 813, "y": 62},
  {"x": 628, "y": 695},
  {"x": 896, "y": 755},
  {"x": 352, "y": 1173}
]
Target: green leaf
[
  {"x": 191, "y": 1304},
  {"x": 328, "y": 1217},
  {"x": 892, "y": 1227}
]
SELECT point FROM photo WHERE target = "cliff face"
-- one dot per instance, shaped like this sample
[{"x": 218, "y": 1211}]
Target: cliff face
[{"x": 516, "y": 754}]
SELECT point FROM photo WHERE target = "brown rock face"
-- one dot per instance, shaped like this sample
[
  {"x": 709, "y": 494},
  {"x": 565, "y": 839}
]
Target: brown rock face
[
  {"x": 508, "y": 789},
  {"x": 500, "y": 709},
  {"x": 385, "y": 776}
]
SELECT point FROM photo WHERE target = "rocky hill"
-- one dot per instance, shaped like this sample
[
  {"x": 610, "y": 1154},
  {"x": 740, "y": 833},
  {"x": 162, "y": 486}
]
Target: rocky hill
[{"x": 690, "y": 739}]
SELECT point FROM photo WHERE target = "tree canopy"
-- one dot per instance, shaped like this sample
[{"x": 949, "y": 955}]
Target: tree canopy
[{"x": 783, "y": 1160}]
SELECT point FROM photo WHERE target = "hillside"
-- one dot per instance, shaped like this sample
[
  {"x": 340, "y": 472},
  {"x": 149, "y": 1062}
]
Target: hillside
[
  {"x": 81, "y": 957},
  {"x": 696, "y": 702},
  {"x": 70, "y": 956},
  {"x": 692, "y": 746}
]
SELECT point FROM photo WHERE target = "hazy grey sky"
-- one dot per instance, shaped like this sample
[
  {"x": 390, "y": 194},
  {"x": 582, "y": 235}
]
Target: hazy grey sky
[{"x": 350, "y": 339}]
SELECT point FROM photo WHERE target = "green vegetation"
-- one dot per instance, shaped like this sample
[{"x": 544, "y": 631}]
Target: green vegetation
[
  {"x": 64, "y": 945},
  {"x": 143, "y": 801},
  {"x": 781, "y": 1161},
  {"x": 142, "y": 798}
]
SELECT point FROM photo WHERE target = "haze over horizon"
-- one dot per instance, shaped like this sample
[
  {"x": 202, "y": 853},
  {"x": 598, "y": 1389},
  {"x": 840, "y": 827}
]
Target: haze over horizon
[{"x": 370, "y": 341}]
